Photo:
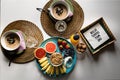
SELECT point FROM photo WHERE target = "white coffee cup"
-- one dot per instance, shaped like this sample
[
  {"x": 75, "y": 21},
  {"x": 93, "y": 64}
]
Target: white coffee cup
[
  {"x": 12, "y": 40},
  {"x": 62, "y": 5}
]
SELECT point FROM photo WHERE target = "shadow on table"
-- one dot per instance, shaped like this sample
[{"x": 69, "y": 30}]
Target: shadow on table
[
  {"x": 64, "y": 77},
  {"x": 81, "y": 56},
  {"x": 10, "y": 55},
  {"x": 95, "y": 57},
  {"x": 60, "y": 77}
]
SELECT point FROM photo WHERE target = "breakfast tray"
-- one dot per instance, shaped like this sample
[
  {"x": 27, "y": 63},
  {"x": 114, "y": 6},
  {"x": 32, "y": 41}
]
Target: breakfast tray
[
  {"x": 72, "y": 27},
  {"x": 31, "y": 32}
]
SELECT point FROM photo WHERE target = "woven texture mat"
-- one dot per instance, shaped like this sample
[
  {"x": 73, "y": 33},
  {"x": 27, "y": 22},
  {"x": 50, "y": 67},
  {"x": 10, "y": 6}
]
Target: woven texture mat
[
  {"x": 32, "y": 33},
  {"x": 72, "y": 27}
]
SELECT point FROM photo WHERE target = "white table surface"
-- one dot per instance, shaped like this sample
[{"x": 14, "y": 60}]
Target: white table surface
[{"x": 106, "y": 66}]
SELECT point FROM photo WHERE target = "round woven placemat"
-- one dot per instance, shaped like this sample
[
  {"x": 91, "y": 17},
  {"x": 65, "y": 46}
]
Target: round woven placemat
[
  {"x": 31, "y": 32},
  {"x": 72, "y": 27}
]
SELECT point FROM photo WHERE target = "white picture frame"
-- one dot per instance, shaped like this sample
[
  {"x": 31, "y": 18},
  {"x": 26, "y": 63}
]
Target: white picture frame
[{"x": 97, "y": 35}]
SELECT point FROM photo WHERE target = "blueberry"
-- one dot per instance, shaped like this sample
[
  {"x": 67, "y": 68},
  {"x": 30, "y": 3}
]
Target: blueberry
[
  {"x": 69, "y": 52},
  {"x": 76, "y": 37}
]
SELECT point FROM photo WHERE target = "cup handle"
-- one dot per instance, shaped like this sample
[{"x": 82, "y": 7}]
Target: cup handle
[{"x": 70, "y": 14}]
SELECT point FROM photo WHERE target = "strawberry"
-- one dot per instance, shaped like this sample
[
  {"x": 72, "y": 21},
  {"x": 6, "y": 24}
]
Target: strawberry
[
  {"x": 67, "y": 46},
  {"x": 59, "y": 41},
  {"x": 64, "y": 43}
]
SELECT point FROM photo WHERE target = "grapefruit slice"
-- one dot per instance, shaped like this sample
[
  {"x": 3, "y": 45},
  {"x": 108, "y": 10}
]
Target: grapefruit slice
[
  {"x": 50, "y": 47},
  {"x": 39, "y": 53}
]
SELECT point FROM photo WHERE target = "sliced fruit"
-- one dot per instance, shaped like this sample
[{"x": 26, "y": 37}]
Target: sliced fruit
[
  {"x": 45, "y": 67},
  {"x": 50, "y": 47},
  {"x": 48, "y": 69},
  {"x": 61, "y": 70},
  {"x": 51, "y": 68},
  {"x": 39, "y": 53},
  {"x": 59, "y": 41},
  {"x": 57, "y": 70},
  {"x": 64, "y": 69},
  {"x": 44, "y": 63},
  {"x": 42, "y": 60},
  {"x": 52, "y": 71}
]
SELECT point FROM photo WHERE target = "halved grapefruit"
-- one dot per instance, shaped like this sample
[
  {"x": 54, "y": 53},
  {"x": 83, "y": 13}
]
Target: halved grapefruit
[
  {"x": 39, "y": 53},
  {"x": 50, "y": 47}
]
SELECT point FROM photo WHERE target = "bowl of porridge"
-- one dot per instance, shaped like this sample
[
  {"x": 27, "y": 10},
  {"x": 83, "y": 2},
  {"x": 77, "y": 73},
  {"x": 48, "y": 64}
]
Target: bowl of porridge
[{"x": 56, "y": 59}]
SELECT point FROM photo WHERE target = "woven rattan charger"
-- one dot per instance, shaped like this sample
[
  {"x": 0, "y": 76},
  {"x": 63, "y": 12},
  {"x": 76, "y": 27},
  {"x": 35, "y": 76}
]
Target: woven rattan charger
[
  {"x": 31, "y": 32},
  {"x": 72, "y": 27}
]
